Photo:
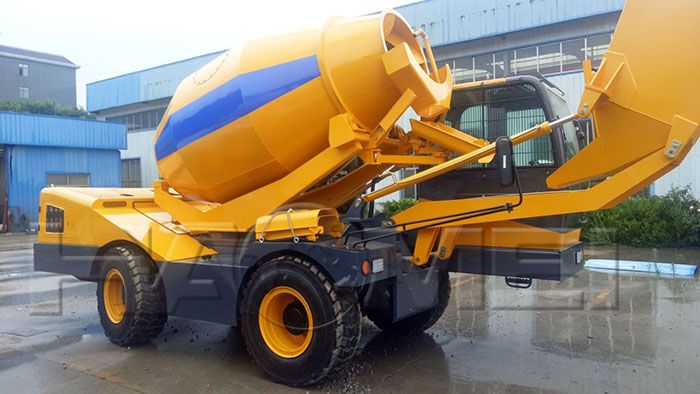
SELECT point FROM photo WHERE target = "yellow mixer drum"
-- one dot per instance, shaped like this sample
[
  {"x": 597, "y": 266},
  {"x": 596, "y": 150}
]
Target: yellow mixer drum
[{"x": 255, "y": 114}]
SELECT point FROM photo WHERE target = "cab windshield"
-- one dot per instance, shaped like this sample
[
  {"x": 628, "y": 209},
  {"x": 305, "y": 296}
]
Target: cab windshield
[{"x": 505, "y": 110}]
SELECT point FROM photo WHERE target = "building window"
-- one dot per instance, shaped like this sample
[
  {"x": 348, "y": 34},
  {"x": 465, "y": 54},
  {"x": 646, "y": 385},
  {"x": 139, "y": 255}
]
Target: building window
[
  {"x": 549, "y": 59},
  {"x": 131, "y": 172},
  {"x": 546, "y": 59},
  {"x": 504, "y": 64},
  {"x": 140, "y": 121},
  {"x": 573, "y": 53},
  {"x": 24, "y": 70},
  {"x": 463, "y": 70},
  {"x": 525, "y": 60},
  {"x": 483, "y": 67},
  {"x": 68, "y": 180},
  {"x": 596, "y": 47},
  {"x": 23, "y": 92}
]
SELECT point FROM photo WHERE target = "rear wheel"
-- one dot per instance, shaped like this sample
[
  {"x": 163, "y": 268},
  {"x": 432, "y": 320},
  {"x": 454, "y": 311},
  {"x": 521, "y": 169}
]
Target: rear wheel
[
  {"x": 383, "y": 317},
  {"x": 296, "y": 324},
  {"x": 130, "y": 297}
]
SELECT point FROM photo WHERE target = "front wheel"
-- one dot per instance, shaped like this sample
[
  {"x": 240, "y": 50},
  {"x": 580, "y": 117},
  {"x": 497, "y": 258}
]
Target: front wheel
[
  {"x": 130, "y": 297},
  {"x": 296, "y": 324}
]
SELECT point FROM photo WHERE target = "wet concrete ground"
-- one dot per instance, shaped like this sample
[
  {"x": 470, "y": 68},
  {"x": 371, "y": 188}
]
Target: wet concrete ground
[{"x": 597, "y": 332}]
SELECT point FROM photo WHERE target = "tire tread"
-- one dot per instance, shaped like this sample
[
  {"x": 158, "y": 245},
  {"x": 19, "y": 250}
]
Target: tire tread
[
  {"x": 347, "y": 317},
  {"x": 150, "y": 309}
]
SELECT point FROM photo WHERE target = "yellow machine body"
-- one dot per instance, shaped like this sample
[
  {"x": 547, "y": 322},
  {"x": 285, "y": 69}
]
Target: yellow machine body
[
  {"x": 260, "y": 149},
  {"x": 271, "y": 124}
]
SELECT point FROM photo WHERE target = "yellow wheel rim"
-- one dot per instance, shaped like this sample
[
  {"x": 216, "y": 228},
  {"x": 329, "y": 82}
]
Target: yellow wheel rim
[
  {"x": 285, "y": 322},
  {"x": 114, "y": 296}
]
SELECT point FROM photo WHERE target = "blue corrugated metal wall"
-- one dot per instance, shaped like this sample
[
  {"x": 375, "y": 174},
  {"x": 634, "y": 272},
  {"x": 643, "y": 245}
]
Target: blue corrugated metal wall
[
  {"x": 28, "y": 166},
  {"x": 448, "y": 21},
  {"x": 115, "y": 92},
  {"x": 151, "y": 84},
  {"x": 38, "y": 145},
  {"x": 44, "y": 130}
]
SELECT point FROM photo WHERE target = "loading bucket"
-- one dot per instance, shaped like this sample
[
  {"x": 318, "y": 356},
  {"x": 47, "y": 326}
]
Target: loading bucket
[{"x": 645, "y": 97}]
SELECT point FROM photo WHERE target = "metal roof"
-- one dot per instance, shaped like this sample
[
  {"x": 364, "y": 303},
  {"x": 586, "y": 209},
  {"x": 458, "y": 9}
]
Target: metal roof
[
  {"x": 144, "y": 85},
  {"x": 452, "y": 21},
  {"x": 42, "y": 57},
  {"x": 59, "y": 131}
]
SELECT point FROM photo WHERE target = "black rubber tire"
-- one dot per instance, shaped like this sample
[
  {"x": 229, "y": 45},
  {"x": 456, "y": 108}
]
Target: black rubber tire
[
  {"x": 421, "y": 321},
  {"x": 335, "y": 312},
  {"x": 146, "y": 309}
]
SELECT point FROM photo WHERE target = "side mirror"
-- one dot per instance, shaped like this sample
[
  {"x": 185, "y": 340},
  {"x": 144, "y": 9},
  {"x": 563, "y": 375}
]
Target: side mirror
[{"x": 503, "y": 160}]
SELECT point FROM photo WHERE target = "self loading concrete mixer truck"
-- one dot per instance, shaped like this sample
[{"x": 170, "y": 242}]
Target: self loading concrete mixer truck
[{"x": 270, "y": 159}]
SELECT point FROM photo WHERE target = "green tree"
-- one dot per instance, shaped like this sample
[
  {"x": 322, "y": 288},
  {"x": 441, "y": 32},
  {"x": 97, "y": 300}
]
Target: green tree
[
  {"x": 391, "y": 208},
  {"x": 43, "y": 108},
  {"x": 648, "y": 221}
]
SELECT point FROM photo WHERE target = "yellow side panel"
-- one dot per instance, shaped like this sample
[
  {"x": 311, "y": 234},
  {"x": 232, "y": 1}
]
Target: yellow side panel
[
  {"x": 159, "y": 241},
  {"x": 97, "y": 217},
  {"x": 516, "y": 235}
]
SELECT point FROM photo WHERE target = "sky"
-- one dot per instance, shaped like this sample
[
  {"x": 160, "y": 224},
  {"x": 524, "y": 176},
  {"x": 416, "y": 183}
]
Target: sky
[{"x": 110, "y": 38}]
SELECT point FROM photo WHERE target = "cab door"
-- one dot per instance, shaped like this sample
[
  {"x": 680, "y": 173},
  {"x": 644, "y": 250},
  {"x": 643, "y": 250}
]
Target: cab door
[
  {"x": 538, "y": 248},
  {"x": 505, "y": 108}
]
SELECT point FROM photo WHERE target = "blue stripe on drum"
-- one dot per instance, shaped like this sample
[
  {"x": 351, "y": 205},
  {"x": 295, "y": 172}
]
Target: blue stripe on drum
[{"x": 233, "y": 100}]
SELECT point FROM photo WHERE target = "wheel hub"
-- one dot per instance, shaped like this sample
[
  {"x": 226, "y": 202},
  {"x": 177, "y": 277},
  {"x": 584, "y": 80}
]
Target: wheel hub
[
  {"x": 285, "y": 321},
  {"x": 114, "y": 296},
  {"x": 295, "y": 319}
]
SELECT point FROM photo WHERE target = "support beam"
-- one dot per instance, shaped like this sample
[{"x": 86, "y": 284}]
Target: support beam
[{"x": 488, "y": 150}]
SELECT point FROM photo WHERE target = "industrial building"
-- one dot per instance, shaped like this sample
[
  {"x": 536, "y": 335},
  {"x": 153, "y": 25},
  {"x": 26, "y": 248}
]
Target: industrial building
[
  {"x": 39, "y": 150},
  {"x": 138, "y": 100},
  {"x": 36, "y": 76},
  {"x": 479, "y": 40}
]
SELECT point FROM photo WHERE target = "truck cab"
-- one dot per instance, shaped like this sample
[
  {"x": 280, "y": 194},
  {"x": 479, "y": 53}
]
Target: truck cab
[
  {"x": 500, "y": 108},
  {"x": 540, "y": 247}
]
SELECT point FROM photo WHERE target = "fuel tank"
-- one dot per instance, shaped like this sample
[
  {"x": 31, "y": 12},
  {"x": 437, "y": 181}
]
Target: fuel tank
[{"x": 254, "y": 114}]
